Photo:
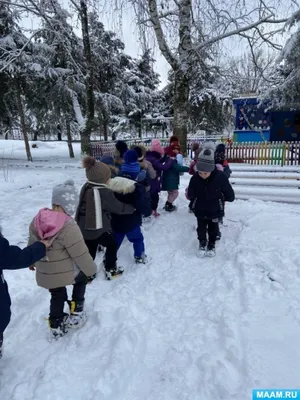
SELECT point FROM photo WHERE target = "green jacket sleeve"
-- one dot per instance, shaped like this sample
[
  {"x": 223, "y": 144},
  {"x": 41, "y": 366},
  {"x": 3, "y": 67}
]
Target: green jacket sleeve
[{"x": 180, "y": 168}]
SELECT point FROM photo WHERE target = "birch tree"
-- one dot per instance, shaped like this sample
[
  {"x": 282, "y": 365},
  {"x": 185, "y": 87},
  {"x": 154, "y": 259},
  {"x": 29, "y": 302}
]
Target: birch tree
[
  {"x": 187, "y": 33},
  {"x": 249, "y": 73}
]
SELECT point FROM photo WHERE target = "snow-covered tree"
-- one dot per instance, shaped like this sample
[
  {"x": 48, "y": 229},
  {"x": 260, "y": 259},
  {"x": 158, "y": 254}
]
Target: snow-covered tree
[
  {"x": 109, "y": 61},
  {"x": 184, "y": 28},
  {"x": 16, "y": 63},
  {"x": 139, "y": 90},
  {"x": 209, "y": 105},
  {"x": 284, "y": 80}
]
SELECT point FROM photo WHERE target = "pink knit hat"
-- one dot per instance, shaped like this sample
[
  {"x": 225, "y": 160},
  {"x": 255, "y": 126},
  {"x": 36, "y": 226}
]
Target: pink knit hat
[{"x": 156, "y": 146}]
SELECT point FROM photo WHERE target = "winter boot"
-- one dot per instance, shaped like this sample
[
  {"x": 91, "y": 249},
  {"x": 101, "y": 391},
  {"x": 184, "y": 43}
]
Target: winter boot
[
  {"x": 155, "y": 213},
  {"x": 141, "y": 260},
  {"x": 1, "y": 344},
  {"x": 58, "y": 327},
  {"x": 211, "y": 250},
  {"x": 169, "y": 207},
  {"x": 77, "y": 316},
  {"x": 113, "y": 273},
  {"x": 146, "y": 219},
  {"x": 202, "y": 248},
  {"x": 218, "y": 237}
]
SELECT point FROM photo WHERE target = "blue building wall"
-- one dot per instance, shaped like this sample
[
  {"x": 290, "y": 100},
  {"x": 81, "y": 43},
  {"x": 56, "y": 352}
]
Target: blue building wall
[{"x": 260, "y": 125}]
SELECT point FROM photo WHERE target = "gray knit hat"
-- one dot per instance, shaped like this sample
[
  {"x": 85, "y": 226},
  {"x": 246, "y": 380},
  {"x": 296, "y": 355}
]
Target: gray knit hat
[
  {"x": 66, "y": 196},
  {"x": 206, "y": 161},
  {"x": 96, "y": 171}
]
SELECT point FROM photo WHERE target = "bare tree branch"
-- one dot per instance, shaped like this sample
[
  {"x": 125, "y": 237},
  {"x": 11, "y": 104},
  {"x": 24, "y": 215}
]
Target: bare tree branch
[
  {"x": 171, "y": 13},
  {"x": 19, "y": 53},
  {"x": 162, "y": 43},
  {"x": 240, "y": 30}
]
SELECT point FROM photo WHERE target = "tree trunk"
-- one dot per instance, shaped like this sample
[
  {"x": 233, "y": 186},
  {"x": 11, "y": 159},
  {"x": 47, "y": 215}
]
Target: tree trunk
[
  {"x": 59, "y": 134},
  {"x": 140, "y": 130},
  {"x": 90, "y": 105},
  {"x": 22, "y": 120},
  {"x": 69, "y": 136},
  {"x": 105, "y": 129},
  {"x": 180, "y": 106}
]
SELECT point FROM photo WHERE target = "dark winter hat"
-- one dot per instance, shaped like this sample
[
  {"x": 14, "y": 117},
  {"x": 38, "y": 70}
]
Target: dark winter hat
[
  {"x": 66, "y": 196},
  {"x": 130, "y": 157},
  {"x": 195, "y": 146},
  {"x": 140, "y": 151},
  {"x": 220, "y": 148},
  {"x": 196, "y": 149},
  {"x": 96, "y": 171},
  {"x": 206, "y": 161},
  {"x": 174, "y": 139},
  {"x": 108, "y": 160},
  {"x": 122, "y": 147}
]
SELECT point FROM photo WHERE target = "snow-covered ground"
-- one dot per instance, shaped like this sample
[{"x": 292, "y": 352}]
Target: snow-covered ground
[{"x": 180, "y": 328}]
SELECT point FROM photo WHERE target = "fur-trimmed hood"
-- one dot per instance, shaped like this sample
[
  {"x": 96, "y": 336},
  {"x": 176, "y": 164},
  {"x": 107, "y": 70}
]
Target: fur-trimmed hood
[{"x": 121, "y": 185}]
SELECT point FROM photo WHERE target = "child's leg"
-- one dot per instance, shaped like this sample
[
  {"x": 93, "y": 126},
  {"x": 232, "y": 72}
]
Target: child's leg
[
  {"x": 1, "y": 344},
  {"x": 57, "y": 302},
  {"x": 118, "y": 237},
  {"x": 109, "y": 241},
  {"x": 154, "y": 201},
  {"x": 202, "y": 231},
  {"x": 213, "y": 230},
  {"x": 77, "y": 315},
  {"x": 172, "y": 196},
  {"x": 136, "y": 237},
  {"x": 79, "y": 292},
  {"x": 92, "y": 245}
]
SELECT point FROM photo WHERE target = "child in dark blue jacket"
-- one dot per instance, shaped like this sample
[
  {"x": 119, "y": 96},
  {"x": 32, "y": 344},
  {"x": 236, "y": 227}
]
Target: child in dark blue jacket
[
  {"x": 129, "y": 191},
  {"x": 12, "y": 257}
]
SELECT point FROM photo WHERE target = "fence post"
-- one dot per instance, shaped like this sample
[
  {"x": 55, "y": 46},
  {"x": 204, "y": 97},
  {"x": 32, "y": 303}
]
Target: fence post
[{"x": 283, "y": 158}]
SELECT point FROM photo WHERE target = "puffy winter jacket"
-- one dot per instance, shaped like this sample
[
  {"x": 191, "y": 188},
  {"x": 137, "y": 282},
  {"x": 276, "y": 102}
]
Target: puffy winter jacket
[
  {"x": 159, "y": 166},
  {"x": 171, "y": 177},
  {"x": 208, "y": 195},
  {"x": 12, "y": 257},
  {"x": 67, "y": 255},
  {"x": 130, "y": 192}
]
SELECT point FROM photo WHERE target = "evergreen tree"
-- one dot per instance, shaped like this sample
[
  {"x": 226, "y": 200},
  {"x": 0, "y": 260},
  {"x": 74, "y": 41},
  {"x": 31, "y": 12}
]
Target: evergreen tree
[{"x": 16, "y": 64}]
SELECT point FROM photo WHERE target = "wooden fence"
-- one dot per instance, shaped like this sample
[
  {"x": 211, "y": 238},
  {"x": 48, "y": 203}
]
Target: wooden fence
[
  {"x": 257, "y": 153},
  {"x": 100, "y": 149},
  {"x": 264, "y": 153}
]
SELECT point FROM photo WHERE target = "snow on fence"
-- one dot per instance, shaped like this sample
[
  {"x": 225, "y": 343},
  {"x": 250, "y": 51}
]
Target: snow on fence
[{"x": 267, "y": 184}]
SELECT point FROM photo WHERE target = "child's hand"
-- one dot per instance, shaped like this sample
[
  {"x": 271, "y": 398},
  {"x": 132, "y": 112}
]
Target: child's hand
[{"x": 46, "y": 243}]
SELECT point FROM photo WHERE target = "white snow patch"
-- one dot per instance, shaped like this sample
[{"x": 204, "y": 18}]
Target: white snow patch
[{"x": 180, "y": 328}]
